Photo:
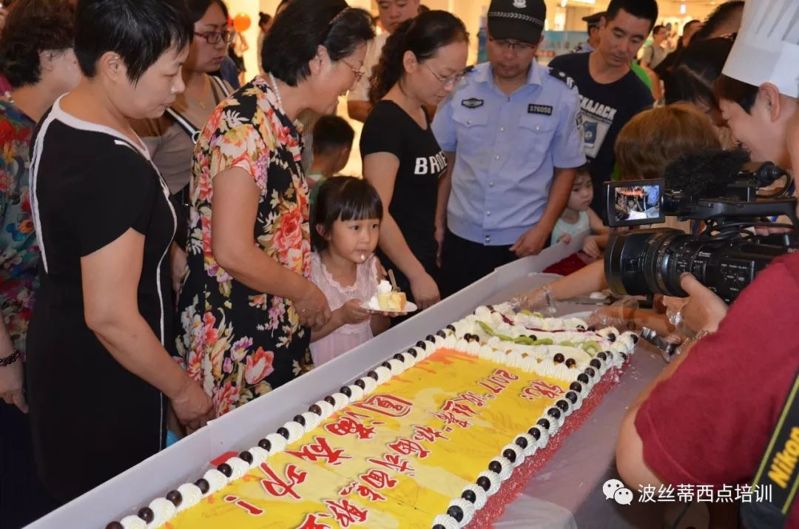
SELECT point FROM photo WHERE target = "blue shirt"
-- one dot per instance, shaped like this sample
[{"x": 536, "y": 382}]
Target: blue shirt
[{"x": 507, "y": 149}]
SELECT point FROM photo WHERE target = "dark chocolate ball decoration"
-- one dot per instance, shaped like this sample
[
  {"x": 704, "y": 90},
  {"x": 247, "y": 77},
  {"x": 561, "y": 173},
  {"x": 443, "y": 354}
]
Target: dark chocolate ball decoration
[
  {"x": 543, "y": 423},
  {"x": 399, "y": 357},
  {"x": 495, "y": 466},
  {"x": 225, "y": 469},
  {"x": 484, "y": 483},
  {"x": 442, "y": 333},
  {"x": 590, "y": 372},
  {"x": 299, "y": 419},
  {"x": 314, "y": 408},
  {"x": 430, "y": 338},
  {"x": 438, "y": 526},
  {"x": 265, "y": 444},
  {"x": 582, "y": 377},
  {"x": 360, "y": 383},
  {"x": 421, "y": 344},
  {"x": 623, "y": 357},
  {"x": 386, "y": 364},
  {"x": 372, "y": 374},
  {"x": 413, "y": 353},
  {"x": 611, "y": 337},
  {"x": 635, "y": 338},
  {"x": 469, "y": 496},
  {"x": 284, "y": 432},
  {"x": 595, "y": 363},
  {"x": 592, "y": 328},
  {"x": 535, "y": 433},
  {"x": 571, "y": 396},
  {"x": 571, "y": 362},
  {"x": 521, "y": 442},
  {"x": 114, "y": 525},
  {"x": 602, "y": 355},
  {"x": 450, "y": 327},
  {"x": 509, "y": 454},
  {"x": 562, "y": 404},
  {"x": 559, "y": 358},
  {"x": 581, "y": 328},
  {"x": 175, "y": 497},
  {"x": 330, "y": 400},
  {"x": 456, "y": 512},
  {"x": 246, "y": 457},
  {"x": 576, "y": 386},
  {"x": 346, "y": 390},
  {"x": 146, "y": 514},
  {"x": 203, "y": 485},
  {"x": 554, "y": 413}
]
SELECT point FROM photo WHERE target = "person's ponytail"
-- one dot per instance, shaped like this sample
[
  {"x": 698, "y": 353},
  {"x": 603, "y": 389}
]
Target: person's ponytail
[{"x": 388, "y": 71}]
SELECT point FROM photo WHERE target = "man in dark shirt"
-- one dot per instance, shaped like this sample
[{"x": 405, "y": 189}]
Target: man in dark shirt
[{"x": 610, "y": 93}]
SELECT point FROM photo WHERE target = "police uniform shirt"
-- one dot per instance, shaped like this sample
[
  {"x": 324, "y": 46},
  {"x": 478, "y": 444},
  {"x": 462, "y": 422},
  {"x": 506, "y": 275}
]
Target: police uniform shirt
[{"x": 507, "y": 149}]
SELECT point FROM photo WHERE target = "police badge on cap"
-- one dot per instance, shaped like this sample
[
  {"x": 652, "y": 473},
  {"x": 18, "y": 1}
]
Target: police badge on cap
[{"x": 521, "y": 20}]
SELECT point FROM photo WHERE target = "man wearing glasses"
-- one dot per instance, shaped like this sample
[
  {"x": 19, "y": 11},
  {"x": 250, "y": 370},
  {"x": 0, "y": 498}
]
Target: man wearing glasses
[
  {"x": 510, "y": 133},
  {"x": 610, "y": 92}
]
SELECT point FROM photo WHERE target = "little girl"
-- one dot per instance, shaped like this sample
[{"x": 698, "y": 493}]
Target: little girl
[
  {"x": 579, "y": 217},
  {"x": 345, "y": 230}
]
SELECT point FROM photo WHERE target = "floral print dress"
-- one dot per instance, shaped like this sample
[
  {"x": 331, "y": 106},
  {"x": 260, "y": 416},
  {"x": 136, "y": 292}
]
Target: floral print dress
[
  {"x": 19, "y": 253},
  {"x": 237, "y": 342}
]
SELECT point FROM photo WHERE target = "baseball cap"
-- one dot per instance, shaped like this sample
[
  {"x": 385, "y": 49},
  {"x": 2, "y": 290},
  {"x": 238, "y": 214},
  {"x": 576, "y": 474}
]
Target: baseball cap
[{"x": 521, "y": 20}]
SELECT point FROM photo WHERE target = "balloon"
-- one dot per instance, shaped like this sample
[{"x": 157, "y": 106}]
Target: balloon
[{"x": 241, "y": 22}]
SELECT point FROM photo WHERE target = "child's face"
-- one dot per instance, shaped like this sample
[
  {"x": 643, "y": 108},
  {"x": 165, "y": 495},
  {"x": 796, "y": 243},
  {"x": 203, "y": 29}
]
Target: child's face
[
  {"x": 354, "y": 240},
  {"x": 582, "y": 193}
]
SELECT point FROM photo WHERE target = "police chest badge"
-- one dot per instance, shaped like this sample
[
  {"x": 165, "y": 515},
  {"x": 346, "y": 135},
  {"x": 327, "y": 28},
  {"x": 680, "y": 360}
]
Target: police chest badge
[
  {"x": 472, "y": 103},
  {"x": 544, "y": 110},
  {"x": 520, "y": 4}
]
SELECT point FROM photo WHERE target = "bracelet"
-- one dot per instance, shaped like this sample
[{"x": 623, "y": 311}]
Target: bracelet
[{"x": 10, "y": 359}]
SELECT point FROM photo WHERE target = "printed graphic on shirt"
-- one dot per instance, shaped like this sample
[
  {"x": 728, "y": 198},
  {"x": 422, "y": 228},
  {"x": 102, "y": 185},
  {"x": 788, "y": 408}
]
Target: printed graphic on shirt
[
  {"x": 430, "y": 164},
  {"x": 472, "y": 102},
  {"x": 594, "y": 122}
]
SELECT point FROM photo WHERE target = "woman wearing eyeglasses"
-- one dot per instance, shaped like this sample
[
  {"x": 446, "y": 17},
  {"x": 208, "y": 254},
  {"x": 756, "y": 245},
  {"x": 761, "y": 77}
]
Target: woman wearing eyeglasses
[
  {"x": 171, "y": 137},
  {"x": 422, "y": 62},
  {"x": 247, "y": 305}
]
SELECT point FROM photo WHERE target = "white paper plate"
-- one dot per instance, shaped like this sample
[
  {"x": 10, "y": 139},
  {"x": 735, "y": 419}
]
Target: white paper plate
[{"x": 374, "y": 307}]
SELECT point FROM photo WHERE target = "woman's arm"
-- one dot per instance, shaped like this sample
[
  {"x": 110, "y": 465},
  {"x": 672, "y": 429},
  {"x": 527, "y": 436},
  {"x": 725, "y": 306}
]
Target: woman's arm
[
  {"x": 444, "y": 190},
  {"x": 110, "y": 278},
  {"x": 380, "y": 169},
  {"x": 235, "y": 207},
  {"x": 11, "y": 375}
]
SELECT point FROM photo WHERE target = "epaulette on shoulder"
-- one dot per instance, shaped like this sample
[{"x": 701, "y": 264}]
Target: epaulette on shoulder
[{"x": 561, "y": 76}]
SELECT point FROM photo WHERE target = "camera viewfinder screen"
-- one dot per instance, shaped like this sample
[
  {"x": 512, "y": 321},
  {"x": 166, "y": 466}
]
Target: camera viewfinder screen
[{"x": 637, "y": 204}]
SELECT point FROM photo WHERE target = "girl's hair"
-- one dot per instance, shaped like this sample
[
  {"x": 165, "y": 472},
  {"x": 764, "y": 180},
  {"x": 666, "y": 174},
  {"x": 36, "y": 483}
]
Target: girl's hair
[
  {"x": 343, "y": 198},
  {"x": 34, "y": 26},
  {"x": 423, "y": 36},
  {"x": 139, "y": 31},
  {"x": 717, "y": 19},
  {"x": 198, "y": 8},
  {"x": 744, "y": 94},
  {"x": 656, "y": 137},
  {"x": 699, "y": 66},
  {"x": 583, "y": 170},
  {"x": 263, "y": 18},
  {"x": 304, "y": 25}
]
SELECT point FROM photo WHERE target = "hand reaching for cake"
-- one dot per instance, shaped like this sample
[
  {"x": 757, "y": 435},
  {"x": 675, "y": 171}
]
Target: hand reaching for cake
[
  {"x": 425, "y": 291},
  {"x": 192, "y": 406}
]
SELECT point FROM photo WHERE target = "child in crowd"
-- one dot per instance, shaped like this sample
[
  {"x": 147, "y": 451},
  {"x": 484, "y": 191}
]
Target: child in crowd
[
  {"x": 579, "y": 217},
  {"x": 332, "y": 142},
  {"x": 346, "y": 227}
]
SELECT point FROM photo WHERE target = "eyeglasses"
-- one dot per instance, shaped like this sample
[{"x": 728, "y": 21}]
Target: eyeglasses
[
  {"x": 358, "y": 72},
  {"x": 214, "y": 37},
  {"x": 451, "y": 80},
  {"x": 512, "y": 45}
]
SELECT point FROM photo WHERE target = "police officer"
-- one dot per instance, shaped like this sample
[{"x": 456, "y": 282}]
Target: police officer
[{"x": 510, "y": 133}]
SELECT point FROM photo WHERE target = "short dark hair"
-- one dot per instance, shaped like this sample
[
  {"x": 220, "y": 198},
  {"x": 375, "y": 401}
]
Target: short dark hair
[
  {"x": 303, "y": 26},
  {"x": 718, "y": 18},
  {"x": 34, "y": 26},
  {"x": 658, "y": 28},
  {"x": 423, "y": 36},
  {"x": 331, "y": 132},
  {"x": 696, "y": 71},
  {"x": 646, "y": 9},
  {"x": 140, "y": 31},
  {"x": 198, "y": 8},
  {"x": 744, "y": 94},
  {"x": 343, "y": 198}
]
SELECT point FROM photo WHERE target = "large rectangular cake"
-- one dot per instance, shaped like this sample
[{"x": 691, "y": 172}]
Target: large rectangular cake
[{"x": 423, "y": 440}]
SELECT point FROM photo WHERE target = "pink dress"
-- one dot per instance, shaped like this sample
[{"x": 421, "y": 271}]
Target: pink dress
[{"x": 345, "y": 337}]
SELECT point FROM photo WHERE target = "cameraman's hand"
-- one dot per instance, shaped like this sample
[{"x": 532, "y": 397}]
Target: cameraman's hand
[{"x": 704, "y": 310}]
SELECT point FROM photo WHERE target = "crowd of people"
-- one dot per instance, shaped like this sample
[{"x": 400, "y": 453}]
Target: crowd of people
[{"x": 174, "y": 246}]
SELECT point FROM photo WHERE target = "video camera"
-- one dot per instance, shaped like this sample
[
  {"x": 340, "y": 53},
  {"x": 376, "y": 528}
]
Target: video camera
[{"x": 731, "y": 198}]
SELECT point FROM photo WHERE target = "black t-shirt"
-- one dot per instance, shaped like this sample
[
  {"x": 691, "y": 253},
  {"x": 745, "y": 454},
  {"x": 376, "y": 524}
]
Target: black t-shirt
[
  {"x": 605, "y": 109},
  {"x": 421, "y": 163},
  {"x": 91, "y": 417}
]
